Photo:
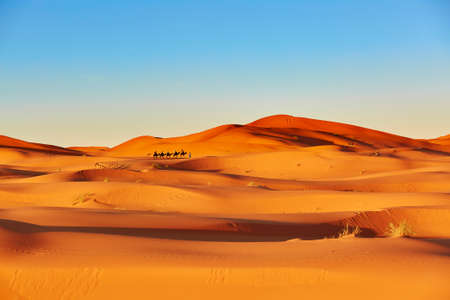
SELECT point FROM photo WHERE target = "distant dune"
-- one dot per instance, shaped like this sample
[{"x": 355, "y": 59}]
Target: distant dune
[
  {"x": 7, "y": 142},
  {"x": 274, "y": 133},
  {"x": 443, "y": 140},
  {"x": 13, "y": 149}
]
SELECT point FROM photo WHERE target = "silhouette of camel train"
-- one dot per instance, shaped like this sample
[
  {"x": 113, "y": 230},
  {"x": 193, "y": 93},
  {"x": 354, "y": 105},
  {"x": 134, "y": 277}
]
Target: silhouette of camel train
[{"x": 168, "y": 155}]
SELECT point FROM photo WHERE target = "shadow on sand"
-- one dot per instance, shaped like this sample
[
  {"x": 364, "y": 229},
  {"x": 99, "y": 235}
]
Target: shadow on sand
[{"x": 235, "y": 231}]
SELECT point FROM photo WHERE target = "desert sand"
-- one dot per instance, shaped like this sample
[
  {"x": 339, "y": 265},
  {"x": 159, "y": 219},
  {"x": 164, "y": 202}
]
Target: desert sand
[{"x": 280, "y": 208}]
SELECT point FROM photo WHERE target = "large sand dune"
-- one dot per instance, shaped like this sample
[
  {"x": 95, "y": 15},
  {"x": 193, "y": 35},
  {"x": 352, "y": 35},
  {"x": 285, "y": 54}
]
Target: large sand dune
[
  {"x": 274, "y": 133},
  {"x": 280, "y": 208}
]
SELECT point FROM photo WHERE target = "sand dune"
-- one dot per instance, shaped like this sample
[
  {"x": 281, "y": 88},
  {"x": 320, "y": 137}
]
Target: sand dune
[
  {"x": 443, "y": 140},
  {"x": 17, "y": 173},
  {"x": 275, "y": 133},
  {"x": 7, "y": 142},
  {"x": 360, "y": 135},
  {"x": 280, "y": 208}
]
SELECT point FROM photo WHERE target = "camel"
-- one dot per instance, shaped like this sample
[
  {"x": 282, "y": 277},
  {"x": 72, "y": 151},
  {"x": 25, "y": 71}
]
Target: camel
[{"x": 168, "y": 154}]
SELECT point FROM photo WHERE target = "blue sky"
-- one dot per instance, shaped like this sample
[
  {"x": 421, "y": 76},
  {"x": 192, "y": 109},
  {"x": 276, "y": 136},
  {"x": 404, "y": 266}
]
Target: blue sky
[{"x": 101, "y": 72}]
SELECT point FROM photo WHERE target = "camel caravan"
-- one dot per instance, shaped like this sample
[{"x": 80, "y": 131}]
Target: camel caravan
[{"x": 168, "y": 155}]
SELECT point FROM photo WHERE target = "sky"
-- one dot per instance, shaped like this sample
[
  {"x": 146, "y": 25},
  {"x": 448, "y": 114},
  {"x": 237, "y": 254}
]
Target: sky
[{"x": 83, "y": 72}]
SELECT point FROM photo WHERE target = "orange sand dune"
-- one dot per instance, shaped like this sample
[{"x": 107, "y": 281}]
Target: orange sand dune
[
  {"x": 201, "y": 199},
  {"x": 374, "y": 138},
  {"x": 7, "y": 142},
  {"x": 314, "y": 162},
  {"x": 429, "y": 222},
  {"x": 96, "y": 262},
  {"x": 14, "y": 150},
  {"x": 97, "y": 151},
  {"x": 280, "y": 208},
  {"x": 15, "y": 173},
  {"x": 272, "y": 133},
  {"x": 443, "y": 140}
]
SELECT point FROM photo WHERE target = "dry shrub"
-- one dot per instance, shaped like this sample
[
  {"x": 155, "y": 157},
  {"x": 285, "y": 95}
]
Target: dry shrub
[
  {"x": 349, "y": 232},
  {"x": 403, "y": 229}
]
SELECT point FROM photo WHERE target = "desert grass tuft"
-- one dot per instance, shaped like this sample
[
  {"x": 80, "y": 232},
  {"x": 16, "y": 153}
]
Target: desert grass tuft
[
  {"x": 403, "y": 229},
  {"x": 83, "y": 198},
  {"x": 255, "y": 184},
  {"x": 159, "y": 166},
  {"x": 349, "y": 232}
]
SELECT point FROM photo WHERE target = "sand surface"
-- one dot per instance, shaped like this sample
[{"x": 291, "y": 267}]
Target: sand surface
[{"x": 281, "y": 208}]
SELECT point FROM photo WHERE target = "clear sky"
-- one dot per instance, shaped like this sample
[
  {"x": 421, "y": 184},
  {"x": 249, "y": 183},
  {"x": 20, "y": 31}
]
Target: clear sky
[{"x": 86, "y": 72}]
